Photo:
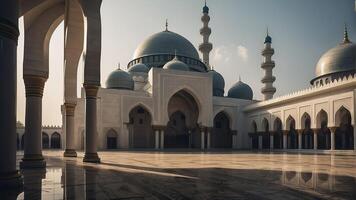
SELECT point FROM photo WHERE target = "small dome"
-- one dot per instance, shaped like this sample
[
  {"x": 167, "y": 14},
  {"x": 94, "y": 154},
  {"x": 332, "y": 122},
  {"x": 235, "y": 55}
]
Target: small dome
[
  {"x": 240, "y": 90},
  {"x": 218, "y": 83},
  {"x": 176, "y": 64},
  {"x": 206, "y": 9},
  {"x": 120, "y": 79},
  {"x": 139, "y": 67}
]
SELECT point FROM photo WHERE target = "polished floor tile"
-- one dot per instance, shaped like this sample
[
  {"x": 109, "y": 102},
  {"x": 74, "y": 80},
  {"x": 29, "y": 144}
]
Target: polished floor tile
[{"x": 193, "y": 175}]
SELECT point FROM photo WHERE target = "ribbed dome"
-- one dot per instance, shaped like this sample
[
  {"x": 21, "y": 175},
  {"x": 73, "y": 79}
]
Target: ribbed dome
[
  {"x": 241, "y": 90},
  {"x": 120, "y": 79},
  {"x": 341, "y": 58},
  {"x": 139, "y": 68},
  {"x": 166, "y": 42},
  {"x": 218, "y": 83},
  {"x": 176, "y": 64}
]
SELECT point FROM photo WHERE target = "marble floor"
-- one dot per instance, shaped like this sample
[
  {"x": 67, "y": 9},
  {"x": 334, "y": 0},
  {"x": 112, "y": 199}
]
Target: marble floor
[{"x": 193, "y": 175}]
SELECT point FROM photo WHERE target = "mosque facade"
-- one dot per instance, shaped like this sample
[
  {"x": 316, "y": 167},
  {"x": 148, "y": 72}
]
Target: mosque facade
[{"x": 169, "y": 97}]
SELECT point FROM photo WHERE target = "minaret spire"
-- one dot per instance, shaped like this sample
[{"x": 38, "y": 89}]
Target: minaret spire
[
  {"x": 205, "y": 47},
  {"x": 166, "y": 24},
  {"x": 268, "y": 64},
  {"x": 346, "y": 35}
]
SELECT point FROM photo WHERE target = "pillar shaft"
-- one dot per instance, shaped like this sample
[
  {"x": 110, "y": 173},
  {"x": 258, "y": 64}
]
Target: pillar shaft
[
  {"x": 355, "y": 138},
  {"x": 285, "y": 141},
  {"x": 315, "y": 135},
  {"x": 208, "y": 142},
  {"x": 300, "y": 139},
  {"x": 91, "y": 154},
  {"x": 271, "y": 142},
  {"x": 69, "y": 117},
  {"x": 9, "y": 176},
  {"x": 156, "y": 139},
  {"x": 33, "y": 130},
  {"x": 162, "y": 139},
  {"x": 202, "y": 140},
  {"x": 260, "y": 142},
  {"x": 332, "y": 138}
]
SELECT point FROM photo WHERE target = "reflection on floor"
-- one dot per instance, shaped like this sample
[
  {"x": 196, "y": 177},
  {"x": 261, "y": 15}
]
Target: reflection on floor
[{"x": 193, "y": 175}]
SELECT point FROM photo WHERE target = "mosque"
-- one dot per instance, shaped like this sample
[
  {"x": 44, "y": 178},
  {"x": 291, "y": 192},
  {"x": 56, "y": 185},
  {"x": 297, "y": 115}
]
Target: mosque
[{"x": 171, "y": 98}]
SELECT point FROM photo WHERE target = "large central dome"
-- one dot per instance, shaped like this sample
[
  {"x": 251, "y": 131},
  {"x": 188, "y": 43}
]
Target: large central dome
[
  {"x": 162, "y": 47},
  {"x": 166, "y": 42}
]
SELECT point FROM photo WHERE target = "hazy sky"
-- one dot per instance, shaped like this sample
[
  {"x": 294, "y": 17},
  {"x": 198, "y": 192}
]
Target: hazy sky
[{"x": 302, "y": 30}]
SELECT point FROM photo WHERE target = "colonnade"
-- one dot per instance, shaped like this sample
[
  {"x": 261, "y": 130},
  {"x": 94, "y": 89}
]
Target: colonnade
[{"x": 305, "y": 139}]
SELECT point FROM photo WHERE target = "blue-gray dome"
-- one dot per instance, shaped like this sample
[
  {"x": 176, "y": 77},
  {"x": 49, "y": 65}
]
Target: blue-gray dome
[
  {"x": 341, "y": 58},
  {"x": 142, "y": 68},
  {"x": 166, "y": 42},
  {"x": 176, "y": 64},
  {"x": 241, "y": 90},
  {"x": 120, "y": 79},
  {"x": 218, "y": 83}
]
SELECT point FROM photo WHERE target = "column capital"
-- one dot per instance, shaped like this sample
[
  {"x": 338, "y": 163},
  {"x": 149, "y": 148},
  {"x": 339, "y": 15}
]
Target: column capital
[
  {"x": 285, "y": 132},
  {"x": 300, "y": 131},
  {"x": 8, "y": 29},
  {"x": 70, "y": 108},
  {"x": 333, "y": 129},
  {"x": 315, "y": 130},
  {"x": 34, "y": 85},
  {"x": 158, "y": 127},
  {"x": 91, "y": 91}
]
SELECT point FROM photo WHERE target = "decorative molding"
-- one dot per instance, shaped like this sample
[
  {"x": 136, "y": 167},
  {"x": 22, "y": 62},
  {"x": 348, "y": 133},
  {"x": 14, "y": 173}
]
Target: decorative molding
[
  {"x": 34, "y": 85},
  {"x": 9, "y": 29}
]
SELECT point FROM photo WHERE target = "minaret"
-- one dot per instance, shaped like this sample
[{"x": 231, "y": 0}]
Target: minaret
[
  {"x": 206, "y": 46},
  {"x": 268, "y": 64}
]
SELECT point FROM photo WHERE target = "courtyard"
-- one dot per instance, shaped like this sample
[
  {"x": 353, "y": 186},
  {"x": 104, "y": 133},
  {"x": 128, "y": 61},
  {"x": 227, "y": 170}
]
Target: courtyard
[{"x": 193, "y": 175}]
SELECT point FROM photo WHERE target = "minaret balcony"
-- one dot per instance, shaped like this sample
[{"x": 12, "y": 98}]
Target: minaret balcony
[
  {"x": 269, "y": 64},
  {"x": 205, "y": 31},
  {"x": 268, "y": 79},
  {"x": 205, "y": 18},
  {"x": 267, "y": 52},
  {"x": 268, "y": 90},
  {"x": 205, "y": 47}
]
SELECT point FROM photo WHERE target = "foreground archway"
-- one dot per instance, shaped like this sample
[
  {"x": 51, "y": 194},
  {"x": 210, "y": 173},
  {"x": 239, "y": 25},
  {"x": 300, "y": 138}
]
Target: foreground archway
[
  {"x": 140, "y": 128},
  {"x": 221, "y": 136},
  {"x": 182, "y": 130}
]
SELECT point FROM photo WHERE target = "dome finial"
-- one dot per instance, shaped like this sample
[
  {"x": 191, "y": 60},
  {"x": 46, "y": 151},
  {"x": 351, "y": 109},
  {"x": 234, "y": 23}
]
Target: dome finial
[
  {"x": 205, "y": 8},
  {"x": 346, "y": 35},
  {"x": 267, "y": 31},
  {"x": 118, "y": 66},
  {"x": 166, "y": 24}
]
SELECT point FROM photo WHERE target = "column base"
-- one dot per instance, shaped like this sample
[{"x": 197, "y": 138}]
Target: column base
[
  {"x": 70, "y": 153},
  {"x": 32, "y": 161},
  {"x": 91, "y": 157},
  {"x": 11, "y": 180}
]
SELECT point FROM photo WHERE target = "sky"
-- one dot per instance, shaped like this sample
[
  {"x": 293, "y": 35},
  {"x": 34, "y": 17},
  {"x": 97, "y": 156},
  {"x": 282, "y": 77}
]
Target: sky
[{"x": 302, "y": 30}]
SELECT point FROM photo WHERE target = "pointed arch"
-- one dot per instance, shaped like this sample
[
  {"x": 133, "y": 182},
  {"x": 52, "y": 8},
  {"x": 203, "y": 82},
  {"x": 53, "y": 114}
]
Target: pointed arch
[
  {"x": 321, "y": 119},
  {"x": 342, "y": 116},
  {"x": 290, "y": 123},
  {"x": 45, "y": 140},
  {"x": 56, "y": 140},
  {"x": 265, "y": 125},
  {"x": 277, "y": 124},
  {"x": 221, "y": 136},
  {"x": 140, "y": 128},
  {"x": 253, "y": 127},
  {"x": 111, "y": 139},
  {"x": 305, "y": 121}
]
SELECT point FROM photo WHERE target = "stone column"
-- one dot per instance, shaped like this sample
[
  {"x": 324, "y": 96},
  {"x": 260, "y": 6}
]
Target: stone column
[
  {"x": 33, "y": 130},
  {"x": 355, "y": 137},
  {"x": 271, "y": 141},
  {"x": 9, "y": 176},
  {"x": 260, "y": 141},
  {"x": 202, "y": 139},
  {"x": 300, "y": 139},
  {"x": 332, "y": 138},
  {"x": 70, "y": 146},
  {"x": 91, "y": 154},
  {"x": 156, "y": 139},
  {"x": 33, "y": 178},
  {"x": 208, "y": 134},
  {"x": 285, "y": 142},
  {"x": 162, "y": 139},
  {"x": 315, "y": 135}
]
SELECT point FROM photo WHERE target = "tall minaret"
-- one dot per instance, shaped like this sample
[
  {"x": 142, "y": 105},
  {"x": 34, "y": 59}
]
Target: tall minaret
[
  {"x": 268, "y": 64},
  {"x": 206, "y": 46}
]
